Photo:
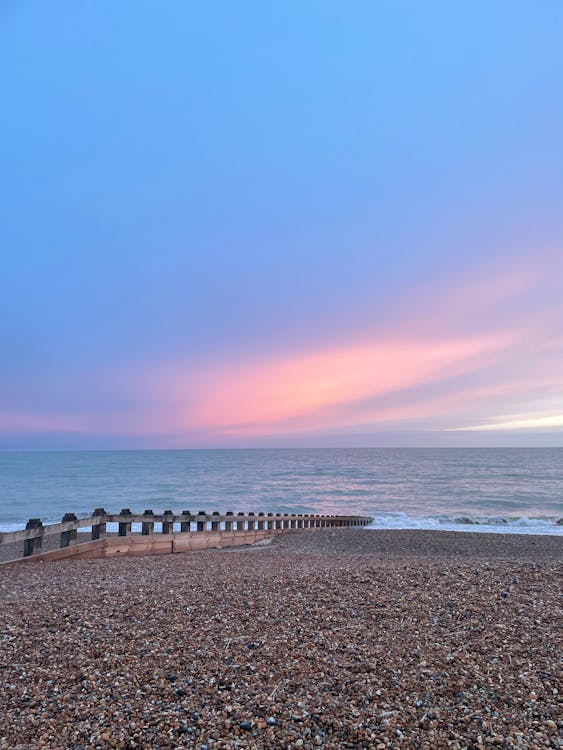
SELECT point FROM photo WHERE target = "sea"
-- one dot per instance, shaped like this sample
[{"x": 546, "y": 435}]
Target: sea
[{"x": 508, "y": 490}]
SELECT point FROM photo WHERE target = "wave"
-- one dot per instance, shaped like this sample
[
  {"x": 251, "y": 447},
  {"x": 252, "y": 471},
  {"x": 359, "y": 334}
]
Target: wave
[
  {"x": 546, "y": 525},
  {"x": 494, "y": 524}
]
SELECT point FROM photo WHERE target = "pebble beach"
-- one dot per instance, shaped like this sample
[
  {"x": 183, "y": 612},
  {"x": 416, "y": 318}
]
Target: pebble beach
[{"x": 322, "y": 639}]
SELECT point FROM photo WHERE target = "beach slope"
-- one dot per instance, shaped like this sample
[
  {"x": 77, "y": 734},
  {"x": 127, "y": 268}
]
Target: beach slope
[{"x": 337, "y": 639}]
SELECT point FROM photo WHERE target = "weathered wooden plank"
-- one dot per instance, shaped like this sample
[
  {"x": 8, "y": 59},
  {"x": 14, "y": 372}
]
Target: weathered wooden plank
[
  {"x": 243, "y": 521},
  {"x": 8, "y": 537}
]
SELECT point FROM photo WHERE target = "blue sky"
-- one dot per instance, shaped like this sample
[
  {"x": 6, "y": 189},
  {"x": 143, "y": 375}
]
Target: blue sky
[{"x": 209, "y": 209}]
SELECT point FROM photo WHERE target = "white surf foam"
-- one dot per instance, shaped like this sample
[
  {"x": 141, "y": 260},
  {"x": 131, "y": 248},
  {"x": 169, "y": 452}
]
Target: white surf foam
[{"x": 463, "y": 522}]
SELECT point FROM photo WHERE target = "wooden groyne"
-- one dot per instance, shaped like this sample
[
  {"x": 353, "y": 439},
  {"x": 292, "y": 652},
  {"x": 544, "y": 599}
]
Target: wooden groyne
[{"x": 160, "y": 533}]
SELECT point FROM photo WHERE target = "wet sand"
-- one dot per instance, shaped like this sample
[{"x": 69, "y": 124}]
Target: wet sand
[{"x": 334, "y": 639}]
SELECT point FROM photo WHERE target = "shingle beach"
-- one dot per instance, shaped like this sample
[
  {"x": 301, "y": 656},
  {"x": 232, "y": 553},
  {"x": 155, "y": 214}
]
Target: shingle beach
[{"x": 323, "y": 639}]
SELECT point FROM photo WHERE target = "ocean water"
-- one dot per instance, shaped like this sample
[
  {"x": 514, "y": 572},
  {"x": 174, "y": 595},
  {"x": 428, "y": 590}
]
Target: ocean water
[{"x": 512, "y": 490}]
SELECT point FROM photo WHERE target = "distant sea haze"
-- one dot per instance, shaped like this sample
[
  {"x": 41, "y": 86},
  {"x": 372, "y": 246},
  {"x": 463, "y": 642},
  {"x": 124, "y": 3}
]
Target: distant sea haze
[{"x": 511, "y": 490}]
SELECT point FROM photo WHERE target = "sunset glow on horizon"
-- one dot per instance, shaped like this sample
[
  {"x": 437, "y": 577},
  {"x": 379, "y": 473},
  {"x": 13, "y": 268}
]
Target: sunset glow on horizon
[{"x": 287, "y": 226}]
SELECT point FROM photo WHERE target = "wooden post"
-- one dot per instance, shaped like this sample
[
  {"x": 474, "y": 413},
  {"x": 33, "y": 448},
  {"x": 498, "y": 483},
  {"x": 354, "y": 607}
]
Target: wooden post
[
  {"x": 240, "y": 522},
  {"x": 270, "y": 522},
  {"x": 186, "y": 525},
  {"x": 202, "y": 522},
  {"x": 124, "y": 528},
  {"x": 68, "y": 537},
  {"x": 251, "y": 522},
  {"x": 229, "y": 524},
  {"x": 293, "y": 522},
  {"x": 168, "y": 525},
  {"x": 278, "y": 523},
  {"x": 98, "y": 529},
  {"x": 33, "y": 546},
  {"x": 215, "y": 523},
  {"x": 147, "y": 527},
  {"x": 260, "y": 521}
]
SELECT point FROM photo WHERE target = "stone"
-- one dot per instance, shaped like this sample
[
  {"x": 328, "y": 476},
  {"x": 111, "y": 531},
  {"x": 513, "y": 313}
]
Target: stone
[{"x": 88, "y": 647}]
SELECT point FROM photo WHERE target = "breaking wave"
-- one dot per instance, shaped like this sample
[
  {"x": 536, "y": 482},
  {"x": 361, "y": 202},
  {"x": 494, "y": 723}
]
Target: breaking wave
[{"x": 462, "y": 522}]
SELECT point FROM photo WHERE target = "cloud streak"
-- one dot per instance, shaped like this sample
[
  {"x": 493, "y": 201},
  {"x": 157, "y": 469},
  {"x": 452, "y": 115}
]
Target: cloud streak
[
  {"x": 529, "y": 423},
  {"x": 423, "y": 372},
  {"x": 453, "y": 360}
]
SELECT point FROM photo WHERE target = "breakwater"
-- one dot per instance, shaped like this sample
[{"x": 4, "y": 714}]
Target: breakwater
[{"x": 155, "y": 533}]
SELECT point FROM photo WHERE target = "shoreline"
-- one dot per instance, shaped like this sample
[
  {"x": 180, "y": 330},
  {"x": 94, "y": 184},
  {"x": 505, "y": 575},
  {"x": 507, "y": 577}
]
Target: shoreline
[
  {"x": 493, "y": 524},
  {"x": 321, "y": 639},
  {"x": 396, "y": 541}
]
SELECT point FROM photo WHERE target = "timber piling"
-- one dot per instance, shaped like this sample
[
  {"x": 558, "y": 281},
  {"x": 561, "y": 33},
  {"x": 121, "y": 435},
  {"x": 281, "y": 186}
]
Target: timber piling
[{"x": 163, "y": 533}]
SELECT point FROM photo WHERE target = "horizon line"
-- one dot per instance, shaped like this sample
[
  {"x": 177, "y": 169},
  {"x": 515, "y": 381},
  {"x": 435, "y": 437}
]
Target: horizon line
[{"x": 282, "y": 448}]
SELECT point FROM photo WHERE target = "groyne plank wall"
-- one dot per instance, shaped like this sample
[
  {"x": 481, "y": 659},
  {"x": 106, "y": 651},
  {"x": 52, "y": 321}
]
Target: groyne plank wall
[{"x": 163, "y": 533}]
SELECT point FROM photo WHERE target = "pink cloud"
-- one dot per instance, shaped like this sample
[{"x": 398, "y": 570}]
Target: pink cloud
[
  {"x": 496, "y": 329},
  {"x": 242, "y": 398},
  {"x": 462, "y": 355}
]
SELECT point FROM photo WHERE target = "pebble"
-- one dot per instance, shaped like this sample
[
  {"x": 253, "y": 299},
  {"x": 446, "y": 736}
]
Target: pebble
[{"x": 348, "y": 639}]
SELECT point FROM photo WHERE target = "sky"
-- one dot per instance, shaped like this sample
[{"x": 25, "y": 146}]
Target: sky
[{"x": 298, "y": 223}]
